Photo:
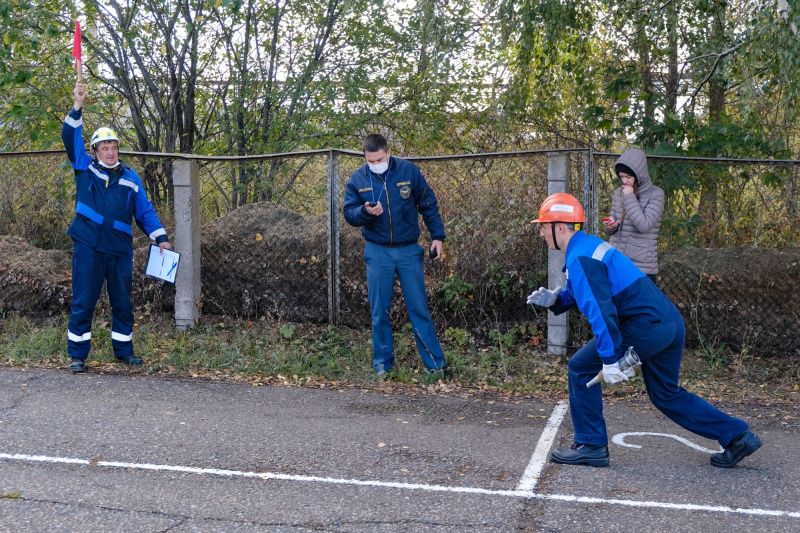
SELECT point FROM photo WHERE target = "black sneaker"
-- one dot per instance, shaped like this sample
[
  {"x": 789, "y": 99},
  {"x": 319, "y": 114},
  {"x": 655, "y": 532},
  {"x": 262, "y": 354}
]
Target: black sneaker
[
  {"x": 581, "y": 454},
  {"x": 78, "y": 366},
  {"x": 130, "y": 360},
  {"x": 739, "y": 448}
]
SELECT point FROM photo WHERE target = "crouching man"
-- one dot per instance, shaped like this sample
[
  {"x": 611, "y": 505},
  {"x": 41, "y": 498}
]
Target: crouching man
[{"x": 624, "y": 308}]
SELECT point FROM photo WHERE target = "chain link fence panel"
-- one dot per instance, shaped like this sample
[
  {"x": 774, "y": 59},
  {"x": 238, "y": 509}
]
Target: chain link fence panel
[{"x": 728, "y": 244}]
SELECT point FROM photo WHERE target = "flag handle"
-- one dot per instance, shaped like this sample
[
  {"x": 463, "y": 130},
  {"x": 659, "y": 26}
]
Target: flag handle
[{"x": 79, "y": 65}]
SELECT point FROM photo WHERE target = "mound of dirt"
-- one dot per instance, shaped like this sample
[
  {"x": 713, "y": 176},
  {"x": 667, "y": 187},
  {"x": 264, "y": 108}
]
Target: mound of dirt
[
  {"x": 266, "y": 260},
  {"x": 33, "y": 281}
]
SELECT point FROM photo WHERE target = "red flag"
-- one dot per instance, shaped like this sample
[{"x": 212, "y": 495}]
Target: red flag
[{"x": 76, "y": 44}]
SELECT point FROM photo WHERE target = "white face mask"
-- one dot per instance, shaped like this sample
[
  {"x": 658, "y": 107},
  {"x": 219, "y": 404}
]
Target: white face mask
[
  {"x": 115, "y": 165},
  {"x": 380, "y": 168}
]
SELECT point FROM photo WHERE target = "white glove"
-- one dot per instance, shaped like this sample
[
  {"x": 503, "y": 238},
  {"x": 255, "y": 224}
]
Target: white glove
[
  {"x": 630, "y": 371},
  {"x": 612, "y": 374},
  {"x": 544, "y": 297}
]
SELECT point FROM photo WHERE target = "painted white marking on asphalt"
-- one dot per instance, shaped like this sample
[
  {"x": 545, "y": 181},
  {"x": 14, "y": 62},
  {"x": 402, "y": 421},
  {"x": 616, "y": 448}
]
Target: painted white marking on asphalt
[
  {"x": 407, "y": 486},
  {"x": 619, "y": 438},
  {"x": 539, "y": 458}
]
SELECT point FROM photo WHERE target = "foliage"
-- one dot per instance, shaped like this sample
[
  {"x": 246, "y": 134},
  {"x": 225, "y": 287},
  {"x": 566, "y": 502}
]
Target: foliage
[{"x": 457, "y": 292}]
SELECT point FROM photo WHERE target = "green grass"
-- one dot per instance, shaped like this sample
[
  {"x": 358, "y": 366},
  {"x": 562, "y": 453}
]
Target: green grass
[{"x": 510, "y": 362}]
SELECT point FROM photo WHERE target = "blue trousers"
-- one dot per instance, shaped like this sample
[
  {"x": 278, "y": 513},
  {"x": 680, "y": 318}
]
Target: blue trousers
[
  {"x": 407, "y": 263},
  {"x": 90, "y": 269},
  {"x": 660, "y": 347}
]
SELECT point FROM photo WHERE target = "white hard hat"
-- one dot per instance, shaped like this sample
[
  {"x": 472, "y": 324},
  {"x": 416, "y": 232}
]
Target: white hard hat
[{"x": 103, "y": 134}]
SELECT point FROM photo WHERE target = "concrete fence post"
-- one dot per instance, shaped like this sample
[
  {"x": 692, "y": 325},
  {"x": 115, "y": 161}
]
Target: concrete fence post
[
  {"x": 188, "y": 289},
  {"x": 557, "y": 326},
  {"x": 334, "y": 316}
]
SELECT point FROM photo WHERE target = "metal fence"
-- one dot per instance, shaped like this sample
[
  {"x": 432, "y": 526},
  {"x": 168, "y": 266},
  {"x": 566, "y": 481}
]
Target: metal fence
[{"x": 268, "y": 234}]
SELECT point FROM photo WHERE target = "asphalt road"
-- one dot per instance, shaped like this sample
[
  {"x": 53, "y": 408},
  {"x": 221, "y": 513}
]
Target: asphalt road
[{"x": 100, "y": 453}]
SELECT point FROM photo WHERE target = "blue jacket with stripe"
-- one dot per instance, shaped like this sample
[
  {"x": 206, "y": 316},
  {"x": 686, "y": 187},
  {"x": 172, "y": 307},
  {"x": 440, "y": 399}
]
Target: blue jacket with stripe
[
  {"x": 106, "y": 202},
  {"x": 404, "y": 194},
  {"x": 611, "y": 292}
]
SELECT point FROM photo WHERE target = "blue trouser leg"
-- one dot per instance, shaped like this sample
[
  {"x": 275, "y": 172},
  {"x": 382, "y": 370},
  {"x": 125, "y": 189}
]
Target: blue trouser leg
[
  {"x": 119, "y": 273},
  {"x": 688, "y": 410},
  {"x": 586, "y": 404},
  {"x": 88, "y": 273},
  {"x": 410, "y": 270},
  {"x": 380, "y": 286}
]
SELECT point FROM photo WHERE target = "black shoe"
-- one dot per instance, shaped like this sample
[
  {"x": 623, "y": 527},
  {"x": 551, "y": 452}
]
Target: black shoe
[
  {"x": 130, "y": 360},
  {"x": 581, "y": 454},
  {"x": 78, "y": 366},
  {"x": 739, "y": 448}
]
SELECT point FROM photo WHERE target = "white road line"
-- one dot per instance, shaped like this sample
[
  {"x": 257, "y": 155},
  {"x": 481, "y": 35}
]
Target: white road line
[
  {"x": 406, "y": 486},
  {"x": 539, "y": 458}
]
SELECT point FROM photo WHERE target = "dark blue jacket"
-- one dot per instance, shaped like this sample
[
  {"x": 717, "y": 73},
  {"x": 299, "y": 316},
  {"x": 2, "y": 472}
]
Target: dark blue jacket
[
  {"x": 106, "y": 202},
  {"x": 610, "y": 292},
  {"x": 404, "y": 195}
]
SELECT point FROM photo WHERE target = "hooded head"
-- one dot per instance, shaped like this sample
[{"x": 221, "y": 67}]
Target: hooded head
[{"x": 634, "y": 162}]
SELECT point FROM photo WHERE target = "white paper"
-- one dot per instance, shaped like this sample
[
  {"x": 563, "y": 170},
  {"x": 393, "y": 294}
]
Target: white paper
[{"x": 162, "y": 266}]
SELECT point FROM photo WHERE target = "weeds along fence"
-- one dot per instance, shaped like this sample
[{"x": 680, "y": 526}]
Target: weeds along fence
[{"x": 272, "y": 248}]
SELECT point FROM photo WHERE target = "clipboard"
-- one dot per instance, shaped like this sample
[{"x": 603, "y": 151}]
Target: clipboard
[{"x": 162, "y": 266}]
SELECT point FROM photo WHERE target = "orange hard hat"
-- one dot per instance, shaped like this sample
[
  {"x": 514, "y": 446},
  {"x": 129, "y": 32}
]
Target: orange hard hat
[{"x": 561, "y": 207}]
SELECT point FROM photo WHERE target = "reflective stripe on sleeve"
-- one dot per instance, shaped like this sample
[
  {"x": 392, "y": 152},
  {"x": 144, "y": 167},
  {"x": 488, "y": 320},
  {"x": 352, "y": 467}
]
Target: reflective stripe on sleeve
[
  {"x": 75, "y": 123},
  {"x": 601, "y": 250}
]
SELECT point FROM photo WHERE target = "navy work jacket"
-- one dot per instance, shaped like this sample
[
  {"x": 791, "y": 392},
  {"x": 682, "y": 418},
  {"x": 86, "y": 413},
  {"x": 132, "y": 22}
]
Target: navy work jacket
[
  {"x": 106, "y": 202},
  {"x": 404, "y": 194},
  {"x": 611, "y": 292}
]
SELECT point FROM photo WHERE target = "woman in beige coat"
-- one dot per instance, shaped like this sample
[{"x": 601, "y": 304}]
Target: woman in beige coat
[{"x": 636, "y": 211}]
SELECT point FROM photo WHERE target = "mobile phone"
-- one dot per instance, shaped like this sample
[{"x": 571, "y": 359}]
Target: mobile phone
[
  {"x": 371, "y": 204},
  {"x": 608, "y": 219}
]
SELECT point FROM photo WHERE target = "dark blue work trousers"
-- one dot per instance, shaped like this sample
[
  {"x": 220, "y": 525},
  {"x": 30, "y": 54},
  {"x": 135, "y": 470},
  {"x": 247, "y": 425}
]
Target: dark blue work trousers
[
  {"x": 660, "y": 347},
  {"x": 90, "y": 269},
  {"x": 407, "y": 263}
]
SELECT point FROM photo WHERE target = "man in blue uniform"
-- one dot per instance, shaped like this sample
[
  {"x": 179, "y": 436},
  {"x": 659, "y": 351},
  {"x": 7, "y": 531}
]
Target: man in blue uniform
[
  {"x": 385, "y": 198},
  {"x": 624, "y": 308},
  {"x": 108, "y": 196}
]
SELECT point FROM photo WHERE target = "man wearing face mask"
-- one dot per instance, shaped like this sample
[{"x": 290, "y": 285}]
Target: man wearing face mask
[
  {"x": 108, "y": 195},
  {"x": 385, "y": 198}
]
